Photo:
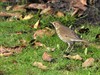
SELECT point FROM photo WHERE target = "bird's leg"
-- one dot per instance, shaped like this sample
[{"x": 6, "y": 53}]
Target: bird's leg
[
  {"x": 68, "y": 47},
  {"x": 67, "y": 50},
  {"x": 72, "y": 46}
]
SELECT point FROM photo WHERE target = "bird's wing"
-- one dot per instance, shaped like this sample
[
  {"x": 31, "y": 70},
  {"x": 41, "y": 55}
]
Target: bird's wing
[{"x": 67, "y": 32}]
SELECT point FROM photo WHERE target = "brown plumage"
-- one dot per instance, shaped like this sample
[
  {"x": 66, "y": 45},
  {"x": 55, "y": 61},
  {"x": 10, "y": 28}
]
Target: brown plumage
[{"x": 66, "y": 34}]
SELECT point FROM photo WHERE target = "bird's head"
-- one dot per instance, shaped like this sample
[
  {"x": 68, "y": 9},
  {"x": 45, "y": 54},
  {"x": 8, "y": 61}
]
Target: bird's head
[{"x": 56, "y": 24}]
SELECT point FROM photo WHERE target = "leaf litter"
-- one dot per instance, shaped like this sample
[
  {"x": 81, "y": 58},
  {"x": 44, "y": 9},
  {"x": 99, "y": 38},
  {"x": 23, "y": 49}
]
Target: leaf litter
[
  {"x": 44, "y": 32},
  {"x": 40, "y": 65},
  {"x": 88, "y": 62},
  {"x": 6, "y": 51},
  {"x": 75, "y": 57},
  {"x": 47, "y": 57}
]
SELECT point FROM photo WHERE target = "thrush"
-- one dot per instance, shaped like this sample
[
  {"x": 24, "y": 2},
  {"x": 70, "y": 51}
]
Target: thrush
[{"x": 66, "y": 34}]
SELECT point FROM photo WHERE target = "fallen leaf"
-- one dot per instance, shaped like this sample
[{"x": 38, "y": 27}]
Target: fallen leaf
[
  {"x": 78, "y": 7},
  {"x": 5, "y": 51},
  {"x": 38, "y": 33},
  {"x": 76, "y": 57},
  {"x": 47, "y": 57},
  {"x": 6, "y": 54},
  {"x": 89, "y": 62},
  {"x": 8, "y": 8},
  {"x": 78, "y": 4},
  {"x": 84, "y": 2},
  {"x": 38, "y": 44},
  {"x": 60, "y": 14},
  {"x": 19, "y": 8},
  {"x": 40, "y": 65},
  {"x": 36, "y": 25},
  {"x": 14, "y": 15},
  {"x": 17, "y": 49},
  {"x": 48, "y": 10},
  {"x": 37, "y": 6},
  {"x": 43, "y": 32},
  {"x": 27, "y": 17}
]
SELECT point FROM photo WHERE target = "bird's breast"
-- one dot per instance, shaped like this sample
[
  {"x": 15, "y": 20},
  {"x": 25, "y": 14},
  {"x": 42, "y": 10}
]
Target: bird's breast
[{"x": 60, "y": 36}]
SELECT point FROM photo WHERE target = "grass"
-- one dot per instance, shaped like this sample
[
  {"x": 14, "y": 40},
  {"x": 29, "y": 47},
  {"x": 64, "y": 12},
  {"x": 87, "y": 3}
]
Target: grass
[{"x": 21, "y": 64}]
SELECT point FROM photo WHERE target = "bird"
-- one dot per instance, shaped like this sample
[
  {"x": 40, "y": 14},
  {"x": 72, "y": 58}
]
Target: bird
[{"x": 66, "y": 35}]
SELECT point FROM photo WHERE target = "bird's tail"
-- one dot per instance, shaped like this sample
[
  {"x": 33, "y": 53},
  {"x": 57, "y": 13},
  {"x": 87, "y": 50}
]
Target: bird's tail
[
  {"x": 86, "y": 43},
  {"x": 79, "y": 40},
  {"x": 90, "y": 44}
]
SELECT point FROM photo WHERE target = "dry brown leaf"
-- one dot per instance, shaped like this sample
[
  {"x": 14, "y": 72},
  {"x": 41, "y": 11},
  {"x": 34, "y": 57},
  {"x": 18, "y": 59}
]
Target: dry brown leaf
[
  {"x": 6, "y": 54},
  {"x": 38, "y": 44},
  {"x": 8, "y": 8},
  {"x": 19, "y": 8},
  {"x": 47, "y": 57},
  {"x": 60, "y": 14},
  {"x": 78, "y": 4},
  {"x": 17, "y": 49},
  {"x": 37, "y": 6},
  {"x": 76, "y": 57},
  {"x": 36, "y": 25},
  {"x": 84, "y": 2},
  {"x": 38, "y": 33},
  {"x": 43, "y": 32},
  {"x": 48, "y": 10},
  {"x": 4, "y": 51},
  {"x": 89, "y": 62},
  {"x": 27, "y": 17},
  {"x": 78, "y": 7},
  {"x": 40, "y": 65},
  {"x": 6, "y": 14}
]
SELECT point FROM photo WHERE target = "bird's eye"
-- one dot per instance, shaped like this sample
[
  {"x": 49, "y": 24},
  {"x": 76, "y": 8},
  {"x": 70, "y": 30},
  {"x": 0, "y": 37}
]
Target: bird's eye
[{"x": 54, "y": 23}]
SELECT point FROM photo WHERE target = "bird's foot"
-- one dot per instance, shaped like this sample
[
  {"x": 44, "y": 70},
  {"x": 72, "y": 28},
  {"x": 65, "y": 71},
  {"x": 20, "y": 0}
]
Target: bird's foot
[{"x": 67, "y": 52}]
